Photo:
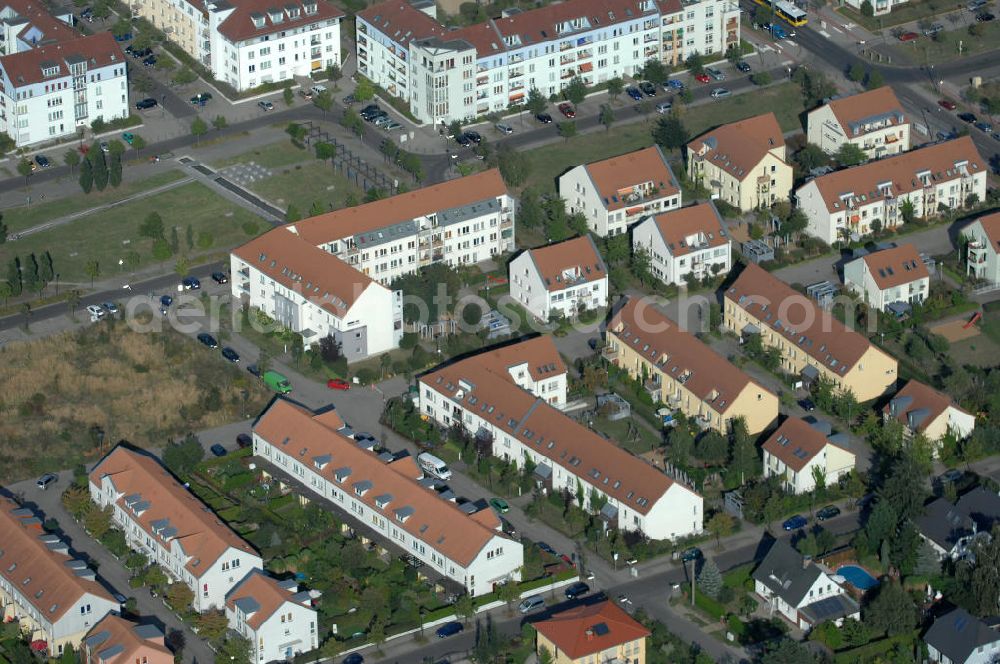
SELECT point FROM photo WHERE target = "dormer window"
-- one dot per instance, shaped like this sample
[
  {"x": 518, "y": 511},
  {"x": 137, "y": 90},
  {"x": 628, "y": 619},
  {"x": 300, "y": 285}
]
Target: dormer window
[
  {"x": 310, "y": 8},
  {"x": 277, "y": 16},
  {"x": 258, "y": 22},
  {"x": 50, "y": 71}
]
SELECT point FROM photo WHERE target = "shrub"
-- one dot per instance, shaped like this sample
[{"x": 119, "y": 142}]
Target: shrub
[{"x": 205, "y": 240}]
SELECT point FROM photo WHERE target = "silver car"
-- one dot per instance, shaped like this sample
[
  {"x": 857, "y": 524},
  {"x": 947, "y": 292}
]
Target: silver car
[
  {"x": 715, "y": 73},
  {"x": 45, "y": 480},
  {"x": 719, "y": 93},
  {"x": 504, "y": 129}
]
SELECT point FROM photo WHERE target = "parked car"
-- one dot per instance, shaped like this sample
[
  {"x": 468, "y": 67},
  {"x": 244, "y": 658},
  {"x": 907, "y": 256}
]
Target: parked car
[
  {"x": 354, "y": 658},
  {"x": 592, "y": 342},
  {"x": 566, "y": 109},
  {"x": 530, "y": 604},
  {"x": 795, "y": 522},
  {"x": 984, "y": 126},
  {"x": 463, "y": 140},
  {"x": 674, "y": 84},
  {"x": 719, "y": 93},
  {"x": 369, "y": 110},
  {"x": 546, "y": 548},
  {"x": 474, "y": 136},
  {"x": 694, "y": 553},
  {"x": 976, "y": 5},
  {"x": 347, "y": 101},
  {"x": 578, "y": 589},
  {"x": 105, "y": 147},
  {"x": 716, "y": 74},
  {"x": 142, "y": 53},
  {"x": 128, "y": 137},
  {"x": 544, "y": 118},
  {"x": 146, "y": 104},
  {"x": 828, "y": 512},
  {"x": 449, "y": 629},
  {"x": 244, "y": 440},
  {"x": 230, "y": 355},
  {"x": 908, "y": 37},
  {"x": 208, "y": 340},
  {"x": 703, "y": 78},
  {"x": 664, "y": 107},
  {"x": 967, "y": 117},
  {"x": 500, "y": 505},
  {"x": 45, "y": 480},
  {"x": 338, "y": 384},
  {"x": 743, "y": 66},
  {"x": 254, "y": 370},
  {"x": 96, "y": 312},
  {"x": 807, "y": 405},
  {"x": 218, "y": 450},
  {"x": 392, "y": 125},
  {"x": 648, "y": 89},
  {"x": 933, "y": 30},
  {"x": 984, "y": 17},
  {"x": 166, "y": 301},
  {"x": 190, "y": 283},
  {"x": 381, "y": 120},
  {"x": 201, "y": 98},
  {"x": 634, "y": 93},
  {"x": 110, "y": 307},
  {"x": 504, "y": 128},
  {"x": 947, "y": 104},
  {"x": 950, "y": 476},
  {"x": 220, "y": 277},
  {"x": 42, "y": 161},
  {"x": 265, "y": 106},
  {"x": 149, "y": 60}
]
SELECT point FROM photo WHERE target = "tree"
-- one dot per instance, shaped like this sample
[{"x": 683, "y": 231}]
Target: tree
[
  {"x": 152, "y": 226},
  {"x": 325, "y": 151},
  {"x": 219, "y": 122},
  {"x": 796, "y": 222},
  {"x": 189, "y": 237},
  {"x": 856, "y": 73},
  {"x": 874, "y": 79},
  {"x": 97, "y": 522},
  {"x": 324, "y": 101},
  {"x": 14, "y": 276},
  {"x": 115, "y": 169},
  {"x": 364, "y": 90},
  {"x": 928, "y": 564},
  {"x": 712, "y": 448},
  {"x": 292, "y": 214},
  {"x": 46, "y": 272},
  {"x": 908, "y": 211},
  {"x": 655, "y": 71},
  {"x": 721, "y": 525},
  {"x": 93, "y": 270},
  {"x": 508, "y": 593},
  {"x": 317, "y": 208},
  {"x": 761, "y": 78},
  {"x": 783, "y": 650},
  {"x": 576, "y": 91},
  {"x": 288, "y": 95},
  {"x": 3, "y": 231},
  {"x": 100, "y": 167},
  {"x": 544, "y": 655},
  {"x": 607, "y": 116},
  {"x": 25, "y": 169},
  {"x": 86, "y": 176},
  {"x": 234, "y": 650},
  {"x": 198, "y": 129},
  {"x": 892, "y": 610},
  {"x": 567, "y": 129},
  {"x": 182, "y": 457},
  {"x": 536, "y": 101},
  {"x": 514, "y": 165},
  {"x": 762, "y": 15},
  {"x": 615, "y": 87},
  {"x": 72, "y": 159},
  {"x": 465, "y": 608},
  {"x": 179, "y": 597},
  {"x": 980, "y": 574},
  {"x": 531, "y": 214},
  {"x": 710, "y": 579},
  {"x": 138, "y": 143},
  {"x": 850, "y": 154},
  {"x": 867, "y": 9},
  {"x": 696, "y": 63},
  {"x": 681, "y": 443},
  {"x": 670, "y": 132}
]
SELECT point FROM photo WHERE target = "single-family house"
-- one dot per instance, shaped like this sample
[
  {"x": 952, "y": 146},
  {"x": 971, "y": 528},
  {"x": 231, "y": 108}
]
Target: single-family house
[
  {"x": 798, "y": 452},
  {"x": 687, "y": 241},
  {"x": 560, "y": 279},
  {"x": 889, "y": 278},
  {"x": 873, "y": 121}
]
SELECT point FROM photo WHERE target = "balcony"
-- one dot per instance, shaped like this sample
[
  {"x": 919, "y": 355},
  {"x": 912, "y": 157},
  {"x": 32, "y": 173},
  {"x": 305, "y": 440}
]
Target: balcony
[
  {"x": 352, "y": 250},
  {"x": 652, "y": 388},
  {"x": 977, "y": 253},
  {"x": 437, "y": 242},
  {"x": 609, "y": 353},
  {"x": 245, "y": 272},
  {"x": 514, "y": 59},
  {"x": 507, "y": 223},
  {"x": 702, "y": 422},
  {"x": 567, "y": 59}
]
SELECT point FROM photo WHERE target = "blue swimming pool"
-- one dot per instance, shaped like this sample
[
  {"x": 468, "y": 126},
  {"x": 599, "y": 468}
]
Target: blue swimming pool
[{"x": 858, "y": 577}]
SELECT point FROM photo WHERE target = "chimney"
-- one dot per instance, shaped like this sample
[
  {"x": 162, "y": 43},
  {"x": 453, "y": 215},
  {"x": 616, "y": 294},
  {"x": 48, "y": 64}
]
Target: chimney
[
  {"x": 590, "y": 634},
  {"x": 805, "y": 561}
]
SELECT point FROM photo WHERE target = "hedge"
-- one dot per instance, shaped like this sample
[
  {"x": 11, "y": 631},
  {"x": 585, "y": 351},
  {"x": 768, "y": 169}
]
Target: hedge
[
  {"x": 710, "y": 606},
  {"x": 867, "y": 652}
]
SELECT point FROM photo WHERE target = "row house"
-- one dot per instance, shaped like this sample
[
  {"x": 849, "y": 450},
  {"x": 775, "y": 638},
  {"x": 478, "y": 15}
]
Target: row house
[
  {"x": 742, "y": 163},
  {"x": 532, "y": 364},
  {"x": 850, "y": 203},
  {"x": 799, "y": 451},
  {"x": 560, "y": 279},
  {"x": 275, "y": 617},
  {"x": 308, "y": 291},
  {"x": 459, "y": 222},
  {"x": 812, "y": 342},
  {"x": 115, "y": 640},
  {"x": 873, "y": 121},
  {"x": 690, "y": 242},
  {"x": 517, "y": 426},
  {"x": 447, "y": 75},
  {"x": 54, "y": 597},
  {"x": 169, "y": 525},
  {"x": 388, "y": 494},
  {"x": 680, "y": 371},
  {"x": 892, "y": 279},
  {"x": 614, "y": 194},
  {"x": 982, "y": 249}
]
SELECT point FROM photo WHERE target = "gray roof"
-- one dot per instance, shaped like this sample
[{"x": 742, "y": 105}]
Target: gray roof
[
  {"x": 465, "y": 212},
  {"x": 982, "y": 506},
  {"x": 784, "y": 574},
  {"x": 147, "y": 631},
  {"x": 944, "y": 524},
  {"x": 957, "y": 634},
  {"x": 247, "y": 605},
  {"x": 830, "y": 608}
]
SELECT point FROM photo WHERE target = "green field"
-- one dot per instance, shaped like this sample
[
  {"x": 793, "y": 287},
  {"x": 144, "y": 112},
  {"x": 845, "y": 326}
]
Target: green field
[
  {"x": 945, "y": 49},
  {"x": 551, "y": 161},
  {"x": 108, "y": 235},
  {"x": 272, "y": 155},
  {"x": 304, "y": 184},
  {"x": 904, "y": 13},
  {"x": 20, "y": 218}
]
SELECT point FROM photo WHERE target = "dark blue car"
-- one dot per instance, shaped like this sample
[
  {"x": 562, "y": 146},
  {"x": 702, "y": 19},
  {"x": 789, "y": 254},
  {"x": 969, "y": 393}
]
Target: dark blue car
[
  {"x": 166, "y": 301},
  {"x": 449, "y": 629},
  {"x": 795, "y": 522},
  {"x": 218, "y": 450},
  {"x": 634, "y": 93}
]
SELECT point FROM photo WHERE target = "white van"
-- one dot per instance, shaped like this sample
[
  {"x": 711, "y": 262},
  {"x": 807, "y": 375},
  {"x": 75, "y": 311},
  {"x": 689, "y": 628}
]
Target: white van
[
  {"x": 432, "y": 465},
  {"x": 317, "y": 90}
]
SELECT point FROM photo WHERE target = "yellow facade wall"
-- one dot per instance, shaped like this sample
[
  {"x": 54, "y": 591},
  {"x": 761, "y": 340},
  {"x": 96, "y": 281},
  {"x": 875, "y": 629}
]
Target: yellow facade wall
[{"x": 628, "y": 651}]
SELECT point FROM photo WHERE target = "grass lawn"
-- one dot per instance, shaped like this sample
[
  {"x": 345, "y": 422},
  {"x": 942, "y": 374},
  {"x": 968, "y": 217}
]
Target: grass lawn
[
  {"x": 20, "y": 218},
  {"x": 910, "y": 11},
  {"x": 980, "y": 351},
  {"x": 628, "y": 434},
  {"x": 272, "y": 155},
  {"x": 109, "y": 235},
  {"x": 304, "y": 184},
  {"x": 946, "y": 48},
  {"x": 551, "y": 161}
]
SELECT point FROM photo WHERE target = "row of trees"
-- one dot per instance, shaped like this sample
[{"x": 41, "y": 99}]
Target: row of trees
[{"x": 32, "y": 274}]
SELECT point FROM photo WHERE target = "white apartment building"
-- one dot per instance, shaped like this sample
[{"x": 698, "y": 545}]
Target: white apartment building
[
  {"x": 54, "y": 597},
  {"x": 533, "y": 365},
  {"x": 873, "y": 121},
  {"x": 615, "y": 193},
  {"x": 457, "y": 222},
  {"x": 880, "y": 7},
  {"x": 164, "y": 521},
  {"x": 983, "y": 248},
  {"x": 315, "y": 294},
  {"x": 631, "y": 495},
  {"x": 895, "y": 276},
  {"x": 560, "y": 279},
  {"x": 460, "y": 74},
  {"x": 798, "y": 450},
  {"x": 687, "y": 241},
  {"x": 47, "y": 92},
  {"x": 273, "y": 616},
  {"x": 389, "y": 495},
  {"x": 25, "y": 25},
  {"x": 845, "y": 204}
]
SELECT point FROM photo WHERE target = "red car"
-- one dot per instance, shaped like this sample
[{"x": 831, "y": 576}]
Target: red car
[
  {"x": 908, "y": 36},
  {"x": 703, "y": 78},
  {"x": 947, "y": 104},
  {"x": 338, "y": 384},
  {"x": 566, "y": 109}
]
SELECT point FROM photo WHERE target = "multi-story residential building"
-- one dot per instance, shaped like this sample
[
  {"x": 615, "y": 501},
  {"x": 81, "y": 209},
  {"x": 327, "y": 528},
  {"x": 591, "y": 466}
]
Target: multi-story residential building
[
  {"x": 448, "y": 75},
  {"x": 169, "y": 525},
  {"x": 742, "y": 163},
  {"x": 983, "y": 248},
  {"x": 534, "y": 365},
  {"x": 560, "y": 279},
  {"x": 49, "y": 91},
  {"x": 115, "y": 640},
  {"x": 798, "y": 451},
  {"x": 458, "y": 222},
  {"x": 54, "y": 597},
  {"x": 615, "y": 193},
  {"x": 311, "y": 292},
  {"x": 274, "y": 616},
  {"x": 847, "y": 204},
  {"x": 688, "y": 241},
  {"x": 683, "y": 373},
  {"x": 873, "y": 121},
  {"x": 596, "y": 632},
  {"x": 880, "y": 7},
  {"x": 812, "y": 342},
  {"x": 247, "y": 43},
  {"x": 889, "y": 278},
  {"x": 389, "y": 495},
  {"x": 26, "y": 24},
  {"x": 517, "y": 426},
  {"x": 922, "y": 409},
  {"x": 958, "y": 637},
  {"x": 799, "y": 591}
]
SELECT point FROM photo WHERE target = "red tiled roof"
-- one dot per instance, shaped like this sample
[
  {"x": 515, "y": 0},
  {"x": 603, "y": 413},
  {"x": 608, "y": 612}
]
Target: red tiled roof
[
  {"x": 25, "y": 68},
  {"x": 739, "y": 146},
  {"x": 796, "y": 443},
  {"x": 37, "y": 16},
  {"x": 586, "y": 630},
  {"x": 675, "y": 226},
  {"x": 264, "y": 590},
  {"x": 122, "y": 641},
  {"x": 991, "y": 227},
  {"x": 239, "y": 26},
  {"x": 614, "y": 178},
  {"x": 539, "y": 353},
  {"x": 867, "y": 106},
  {"x": 578, "y": 256},
  {"x": 401, "y": 21},
  {"x": 896, "y": 266},
  {"x": 917, "y": 396}
]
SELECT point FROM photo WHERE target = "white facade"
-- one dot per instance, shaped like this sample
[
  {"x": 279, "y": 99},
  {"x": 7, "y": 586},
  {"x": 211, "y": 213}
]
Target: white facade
[
  {"x": 701, "y": 250},
  {"x": 822, "y": 588},
  {"x": 277, "y": 629},
  {"x": 881, "y": 7},
  {"x": 859, "y": 279},
  {"x": 487, "y": 68},
  {"x": 50, "y": 91},
  {"x": 983, "y": 250},
  {"x": 527, "y": 287},
  {"x": 873, "y": 121},
  {"x": 581, "y": 196},
  {"x": 833, "y": 463}
]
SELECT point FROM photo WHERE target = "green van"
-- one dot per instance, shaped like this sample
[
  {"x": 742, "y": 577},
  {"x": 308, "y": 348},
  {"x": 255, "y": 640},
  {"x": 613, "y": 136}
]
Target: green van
[{"x": 277, "y": 382}]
